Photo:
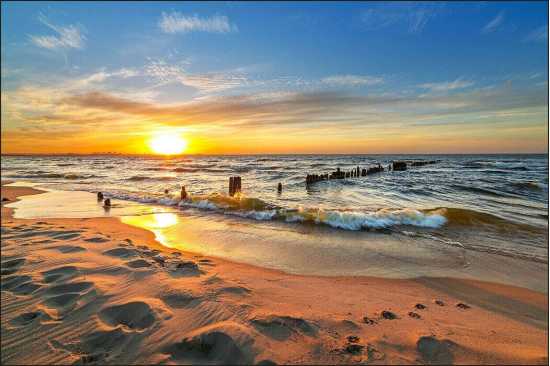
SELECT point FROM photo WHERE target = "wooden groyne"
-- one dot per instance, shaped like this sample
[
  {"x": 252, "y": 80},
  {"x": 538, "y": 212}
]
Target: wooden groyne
[{"x": 358, "y": 172}]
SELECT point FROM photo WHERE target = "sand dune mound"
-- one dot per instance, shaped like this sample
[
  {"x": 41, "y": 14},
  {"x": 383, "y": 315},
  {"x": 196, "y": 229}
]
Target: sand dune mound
[
  {"x": 134, "y": 315},
  {"x": 282, "y": 327},
  {"x": 225, "y": 343}
]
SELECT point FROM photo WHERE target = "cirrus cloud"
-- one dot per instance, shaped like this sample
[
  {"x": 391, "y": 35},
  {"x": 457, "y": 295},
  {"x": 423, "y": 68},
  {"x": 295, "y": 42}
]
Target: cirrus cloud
[
  {"x": 177, "y": 22},
  {"x": 66, "y": 37}
]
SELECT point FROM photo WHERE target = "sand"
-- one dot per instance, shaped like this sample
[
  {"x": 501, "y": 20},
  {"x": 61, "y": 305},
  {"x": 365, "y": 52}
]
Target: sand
[{"x": 99, "y": 291}]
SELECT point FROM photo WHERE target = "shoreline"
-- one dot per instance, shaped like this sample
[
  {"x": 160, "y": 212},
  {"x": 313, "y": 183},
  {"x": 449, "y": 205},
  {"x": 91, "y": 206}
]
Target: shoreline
[{"x": 264, "y": 314}]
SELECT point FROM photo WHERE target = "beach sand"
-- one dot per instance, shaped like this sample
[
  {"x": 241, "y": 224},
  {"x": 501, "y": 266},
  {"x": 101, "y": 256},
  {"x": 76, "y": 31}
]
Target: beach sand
[{"x": 99, "y": 291}]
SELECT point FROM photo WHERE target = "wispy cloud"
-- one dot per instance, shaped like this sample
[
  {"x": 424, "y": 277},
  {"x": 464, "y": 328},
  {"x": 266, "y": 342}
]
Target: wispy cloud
[
  {"x": 207, "y": 82},
  {"x": 447, "y": 85},
  {"x": 66, "y": 37},
  {"x": 352, "y": 80},
  {"x": 538, "y": 35},
  {"x": 493, "y": 24},
  {"x": 176, "y": 22},
  {"x": 415, "y": 16}
]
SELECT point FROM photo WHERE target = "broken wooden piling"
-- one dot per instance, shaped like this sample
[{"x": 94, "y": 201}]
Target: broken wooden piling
[
  {"x": 234, "y": 185},
  {"x": 399, "y": 165}
]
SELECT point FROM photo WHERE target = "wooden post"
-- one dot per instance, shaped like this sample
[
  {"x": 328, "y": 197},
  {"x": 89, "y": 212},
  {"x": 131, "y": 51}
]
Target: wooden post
[
  {"x": 231, "y": 186},
  {"x": 107, "y": 203},
  {"x": 279, "y": 187},
  {"x": 238, "y": 184},
  {"x": 183, "y": 194},
  {"x": 99, "y": 196}
]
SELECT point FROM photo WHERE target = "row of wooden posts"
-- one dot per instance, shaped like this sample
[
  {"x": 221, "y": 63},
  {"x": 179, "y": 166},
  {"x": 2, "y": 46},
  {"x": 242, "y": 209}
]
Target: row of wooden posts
[
  {"x": 357, "y": 172},
  {"x": 235, "y": 182},
  {"x": 340, "y": 174}
]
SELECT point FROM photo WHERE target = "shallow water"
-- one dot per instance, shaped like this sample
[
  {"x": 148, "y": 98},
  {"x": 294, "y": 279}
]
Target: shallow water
[{"x": 493, "y": 204}]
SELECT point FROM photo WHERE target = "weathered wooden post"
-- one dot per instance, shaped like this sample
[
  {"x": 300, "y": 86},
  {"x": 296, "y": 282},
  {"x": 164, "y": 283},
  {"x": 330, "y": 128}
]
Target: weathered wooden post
[
  {"x": 183, "y": 193},
  {"x": 238, "y": 184},
  {"x": 99, "y": 196},
  {"x": 107, "y": 202},
  {"x": 279, "y": 187}
]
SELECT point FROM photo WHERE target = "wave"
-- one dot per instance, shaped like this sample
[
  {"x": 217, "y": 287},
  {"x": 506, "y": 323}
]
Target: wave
[
  {"x": 40, "y": 174},
  {"x": 139, "y": 178},
  {"x": 480, "y": 190},
  {"x": 475, "y": 219},
  {"x": 530, "y": 185}
]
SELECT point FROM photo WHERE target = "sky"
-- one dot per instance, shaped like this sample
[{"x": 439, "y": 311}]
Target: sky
[{"x": 246, "y": 77}]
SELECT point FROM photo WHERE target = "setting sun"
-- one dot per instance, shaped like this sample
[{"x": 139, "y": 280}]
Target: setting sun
[{"x": 168, "y": 144}]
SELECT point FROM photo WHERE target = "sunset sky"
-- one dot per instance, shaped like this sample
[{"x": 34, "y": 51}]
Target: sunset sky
[{"x": 275, "y": 77}]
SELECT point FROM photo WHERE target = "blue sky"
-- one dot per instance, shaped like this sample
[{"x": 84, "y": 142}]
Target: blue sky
[{"x": 346, "y": 69}]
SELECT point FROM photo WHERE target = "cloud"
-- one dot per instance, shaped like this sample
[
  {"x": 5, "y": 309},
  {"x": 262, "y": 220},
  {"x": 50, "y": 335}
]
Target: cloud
[
  {"x": 447, "y": 85},
  {"x": 352, "y": 80},
  {"x": 493, "y": 24},
  {"x": 176, "y": 22},
  {"x": 538, "y": 35},
  {"x": 415, "y": 16},
  {"x": 206, "y": 83},
  {"x": 67, "y": 37}
]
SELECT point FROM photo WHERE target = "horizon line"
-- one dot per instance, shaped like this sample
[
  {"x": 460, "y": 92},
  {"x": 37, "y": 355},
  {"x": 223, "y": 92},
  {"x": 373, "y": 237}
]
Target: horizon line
[{"x": 260, "y": 154}]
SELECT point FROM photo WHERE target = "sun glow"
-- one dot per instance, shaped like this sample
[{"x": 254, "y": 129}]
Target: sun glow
[{"x": 168, "y": 144}]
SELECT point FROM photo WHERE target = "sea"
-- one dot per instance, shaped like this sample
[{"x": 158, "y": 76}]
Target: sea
[{"x": 492, "y": 204}]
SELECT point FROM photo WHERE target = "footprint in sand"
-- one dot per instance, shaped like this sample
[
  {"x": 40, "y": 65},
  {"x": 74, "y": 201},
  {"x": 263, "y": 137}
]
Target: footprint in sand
[
  {"x": 213, "y": 346},
  {"x": 138, "y": 263},
  {"x": 420, "y": 306},
  {"x": 185, "y": 268},
  {"x": 96, "y": 239},
  {"x": 369, "y": 321},
  {"x": 68, "y": 248},
  {"x": 11, "y": 266},
  {"x": 388, "y": 315},
  {"x": 282, "y": 327},
  {"x": 181, "y": 299},
  {"x": 434, "y": 351},
  {"x": 20, "y": 285},
  {"x": 439, "y": 302},
  {"x": 136, "y": 315},
  {"x": 121, "y": 252},
  {"x": 414, "y": 315},
  {"x": 60, "y": 273},
  {"x": 28, "y": 318},
  {"x": 463, "y": 306},
  {"x": 100, "y": 347},
  {"x": 233, "y": 290},
  {"x": 64, "y": 298}
]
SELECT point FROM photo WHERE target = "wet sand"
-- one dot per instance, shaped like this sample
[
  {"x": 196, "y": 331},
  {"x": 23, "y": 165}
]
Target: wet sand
[{"x": 100, "y": 291}]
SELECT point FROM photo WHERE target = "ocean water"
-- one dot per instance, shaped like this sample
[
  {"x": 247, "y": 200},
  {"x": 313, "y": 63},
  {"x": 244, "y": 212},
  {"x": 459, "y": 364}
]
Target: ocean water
[{"x": 495, "y": 204}]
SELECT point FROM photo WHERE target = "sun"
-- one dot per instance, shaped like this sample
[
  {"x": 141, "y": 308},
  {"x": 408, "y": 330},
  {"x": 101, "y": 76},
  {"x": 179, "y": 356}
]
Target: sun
[{"x": 168, "y": 144}]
